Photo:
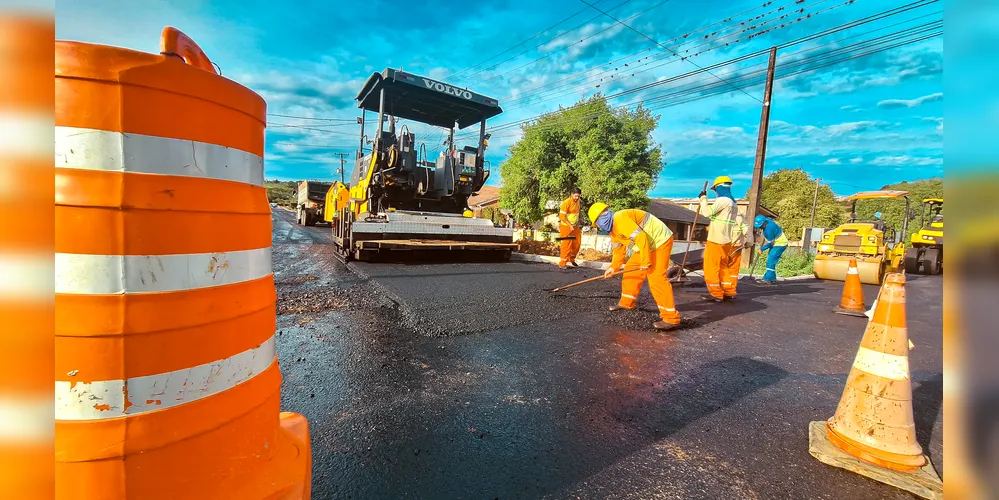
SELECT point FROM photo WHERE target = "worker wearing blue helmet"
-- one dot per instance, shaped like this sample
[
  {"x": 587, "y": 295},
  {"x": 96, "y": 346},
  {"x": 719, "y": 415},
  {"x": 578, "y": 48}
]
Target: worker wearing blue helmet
[{"x": 776, "y": 243}]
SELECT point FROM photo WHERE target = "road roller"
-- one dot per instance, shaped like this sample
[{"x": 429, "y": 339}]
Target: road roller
[
  {"x": 875, "y": 246},
  {"x": 925, "y": 253}
]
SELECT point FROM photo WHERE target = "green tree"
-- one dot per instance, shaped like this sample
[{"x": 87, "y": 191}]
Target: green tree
[
  {"x": 494, "y": 214},
  {"x": 790, "y": 192},
  {"x": 608, "y": 153},
  {"x": 281, "y": 192},
  {"x": 893, "y": 210}
]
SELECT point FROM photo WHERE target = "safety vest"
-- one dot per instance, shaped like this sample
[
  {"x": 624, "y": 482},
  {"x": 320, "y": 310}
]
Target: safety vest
[
  {"x": 569, "y": 211},
  {"x": 655, "y": 230},
  {"x": 780, "y": 241},
  {"x": 723, "y": 214}
]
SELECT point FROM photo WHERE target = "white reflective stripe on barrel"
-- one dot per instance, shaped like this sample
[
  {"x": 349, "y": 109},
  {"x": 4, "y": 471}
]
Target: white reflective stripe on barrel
[
  {"x": 25, "y": 418},
  {"x": 26, "y": 135},
  {"x": 25, "y": 276},
  {"x": 112, "y": 274},
  {"x": 92, "y": 149},
  {"x": 117, "y": 398}
]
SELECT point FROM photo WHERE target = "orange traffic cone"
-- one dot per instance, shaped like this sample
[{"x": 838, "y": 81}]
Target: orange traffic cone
[
  {"x": 874, "y": 421},
  {"x": 852, "y": 302}
]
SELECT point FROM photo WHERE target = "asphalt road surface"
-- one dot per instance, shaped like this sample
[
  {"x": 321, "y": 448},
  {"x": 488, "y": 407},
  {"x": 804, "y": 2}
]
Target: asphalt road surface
[{"x": 471, "y": 381}]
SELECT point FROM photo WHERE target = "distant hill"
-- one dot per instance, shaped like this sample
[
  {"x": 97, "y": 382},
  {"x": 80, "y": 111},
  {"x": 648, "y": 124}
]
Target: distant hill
[{"x": 281, "y": 192}]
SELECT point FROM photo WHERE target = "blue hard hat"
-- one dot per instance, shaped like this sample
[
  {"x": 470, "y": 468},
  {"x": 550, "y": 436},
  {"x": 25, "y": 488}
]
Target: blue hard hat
[{"x": 758, "y": 221}]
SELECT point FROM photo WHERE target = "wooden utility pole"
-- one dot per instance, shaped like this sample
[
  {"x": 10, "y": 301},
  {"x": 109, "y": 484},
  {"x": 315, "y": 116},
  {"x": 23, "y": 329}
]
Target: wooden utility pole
[
  {"x": 343, "y": 161},
  {"x": 815, "y": 200},
  {"x": 756, "y": 188}
]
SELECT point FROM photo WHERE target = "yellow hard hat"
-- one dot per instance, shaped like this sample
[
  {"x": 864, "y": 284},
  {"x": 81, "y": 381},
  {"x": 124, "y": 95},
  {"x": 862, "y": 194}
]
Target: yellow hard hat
[
  {"x": 721, "y": 179},
  {"x": 595, "y": 210}
]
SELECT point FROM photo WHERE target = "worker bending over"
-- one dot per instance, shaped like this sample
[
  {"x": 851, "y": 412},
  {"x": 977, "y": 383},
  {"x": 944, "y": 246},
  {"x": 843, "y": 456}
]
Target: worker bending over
[
  {"x": 776, "y": 242},
  {"x": 568, "y": 229},
  {"x": 726, "y": 233},
  {"x": 653, "y": 244}
]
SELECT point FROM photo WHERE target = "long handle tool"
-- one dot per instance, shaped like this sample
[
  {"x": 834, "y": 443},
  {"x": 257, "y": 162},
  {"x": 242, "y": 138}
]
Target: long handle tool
[
  {"x": 690, "y": 236},
  {"x": 563, "y": 287}
]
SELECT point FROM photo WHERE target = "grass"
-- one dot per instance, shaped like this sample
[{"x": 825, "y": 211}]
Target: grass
[{"x": 794, "y": 262}]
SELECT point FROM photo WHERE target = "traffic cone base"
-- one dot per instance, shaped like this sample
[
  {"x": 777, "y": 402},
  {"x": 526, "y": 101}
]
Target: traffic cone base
[
  {"x": 852, "y": 303},
  {"x": 873, "y": 423},
  {"x": 922, "y": 481}
]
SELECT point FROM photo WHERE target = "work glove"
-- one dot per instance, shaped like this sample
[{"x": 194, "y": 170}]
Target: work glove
[
  {"x": 609, "y": 272},
  {"x": 704, "y": 194}
]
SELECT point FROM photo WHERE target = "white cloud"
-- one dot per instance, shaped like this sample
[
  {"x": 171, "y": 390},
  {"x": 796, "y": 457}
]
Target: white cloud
[
  {"x": 855, "y": 161},
  {"x": 905, "y": 161},
  {"x": 938, "y": 121},
  {"x": 831, "y": 161},
  {"x": 910, "y": 103},
  {"x": 854, "y": 127}
]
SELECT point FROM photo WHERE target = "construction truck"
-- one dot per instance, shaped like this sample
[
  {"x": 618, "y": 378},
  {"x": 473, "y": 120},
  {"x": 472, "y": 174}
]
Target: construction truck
[
  {"x": 876, "y": 247},
  {"x": 312, "y": 202},
  {"x": 926, "y": 253},
  {"x": 402, "y": 202}
]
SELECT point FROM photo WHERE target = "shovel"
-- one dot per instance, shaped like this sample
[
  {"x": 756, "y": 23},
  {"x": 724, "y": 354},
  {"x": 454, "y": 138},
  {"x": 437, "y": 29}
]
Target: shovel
[
  {"x": 690, "y": 237},
  {"x": 570, "y": 285}
]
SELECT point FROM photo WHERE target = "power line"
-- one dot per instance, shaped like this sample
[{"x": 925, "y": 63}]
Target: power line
[
  {"x": 852, "y": 24},
  {"x": 581, "y": 40},
  {"x": 521, "y": 43},
  {"x": 542, "y": 43},
  {"x": 352, "y": 120},
  {"x": 554, "y": 94},
  {"x": 523, "y": 95},
  {"x": 647, "y": 37},
  {"x": 807, "y": 38},
  {"x": 689, "y": 94}
]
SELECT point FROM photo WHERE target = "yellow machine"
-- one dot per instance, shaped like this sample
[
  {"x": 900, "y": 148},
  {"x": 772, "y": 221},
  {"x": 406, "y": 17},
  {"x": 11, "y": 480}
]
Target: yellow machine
[
  {"x": 401, "y": 201},
  {"x": 871, "y": 243},
  {"x": 337, "y": 199},
  {"x": 926, "y": 253}
]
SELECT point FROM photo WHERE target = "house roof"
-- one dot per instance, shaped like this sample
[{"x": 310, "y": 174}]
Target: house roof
[
  {"x": 665, "y": 210},
  {"x": 486, "y": 194}
]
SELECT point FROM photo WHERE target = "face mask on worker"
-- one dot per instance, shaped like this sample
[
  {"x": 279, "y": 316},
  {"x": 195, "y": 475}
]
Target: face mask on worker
[
  {"x": 725, "y": 190},
  {"x": 605, "y": 220}
]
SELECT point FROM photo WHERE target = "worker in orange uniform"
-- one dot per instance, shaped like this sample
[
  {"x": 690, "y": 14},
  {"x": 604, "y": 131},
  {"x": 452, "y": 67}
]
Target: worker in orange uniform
[
  {"x": 568, "y": 229},
  {"x": 653, "y": 244},
  {"x": 726, "y": 233}
]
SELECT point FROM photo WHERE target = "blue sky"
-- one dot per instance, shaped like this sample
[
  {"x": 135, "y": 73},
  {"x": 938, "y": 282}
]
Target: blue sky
[{"x": 856, "y": 122}]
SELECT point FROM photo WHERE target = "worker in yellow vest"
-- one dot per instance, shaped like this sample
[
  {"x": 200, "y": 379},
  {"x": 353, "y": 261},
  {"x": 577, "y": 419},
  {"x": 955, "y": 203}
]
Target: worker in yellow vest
[
  {"x": 568, "y": 229},
  {"x": 653, "y": 243},
  {"x": 726, "y": 233}
]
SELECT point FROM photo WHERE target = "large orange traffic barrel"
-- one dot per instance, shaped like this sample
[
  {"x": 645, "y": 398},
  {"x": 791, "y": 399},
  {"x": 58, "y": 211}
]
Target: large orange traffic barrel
[{"x": 166, "y": 376}]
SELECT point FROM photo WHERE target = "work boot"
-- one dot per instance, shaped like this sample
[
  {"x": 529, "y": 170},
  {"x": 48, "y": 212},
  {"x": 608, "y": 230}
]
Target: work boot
[
  {"x": 562, "y": 268},
  {"x": 730, "y": 297},
  {"x": 662, "y": 325},
  {"x": 766, "y": 283},
  {"x": 618, "y": 307},
  {"x": 574, "y": 264},
  {"x": 710, "y": 298}
]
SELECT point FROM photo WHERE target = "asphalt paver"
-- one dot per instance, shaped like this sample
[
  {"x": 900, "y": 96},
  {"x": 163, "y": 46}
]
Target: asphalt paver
[{"x": 471, "y": 381}]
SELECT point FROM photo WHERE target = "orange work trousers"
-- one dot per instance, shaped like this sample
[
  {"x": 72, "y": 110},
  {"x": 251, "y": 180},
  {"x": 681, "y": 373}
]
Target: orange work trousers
[
  {"x": 721, "y": 272},
  {"x": 662, "y": 292},
  {"x": 569, "y": 248}
]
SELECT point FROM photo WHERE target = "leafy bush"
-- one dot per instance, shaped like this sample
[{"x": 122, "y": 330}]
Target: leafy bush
[{"x": 794, "y": 262}]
